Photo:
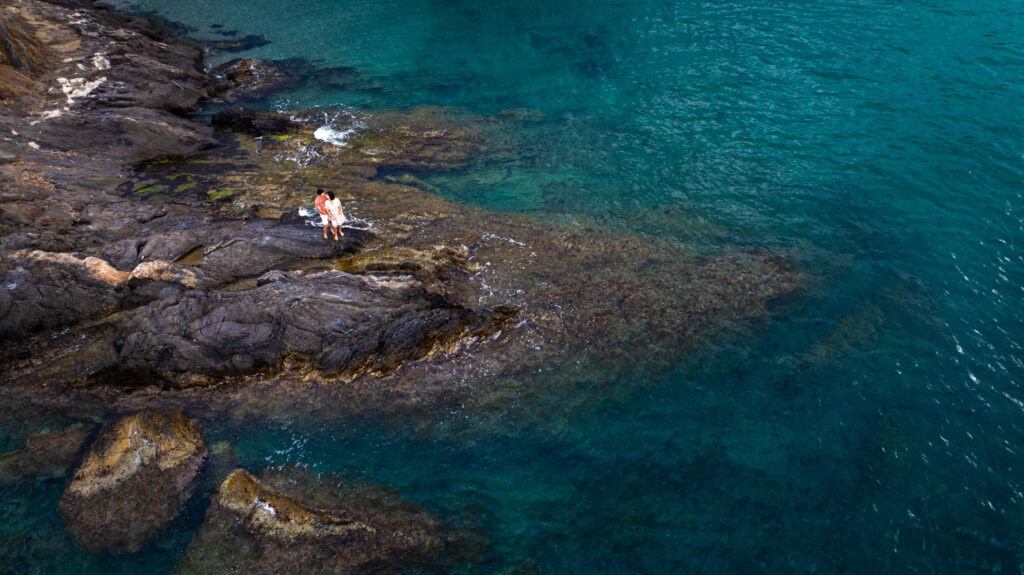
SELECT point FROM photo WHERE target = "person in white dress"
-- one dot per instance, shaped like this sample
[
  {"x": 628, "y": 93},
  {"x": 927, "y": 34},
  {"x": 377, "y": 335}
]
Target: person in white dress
[{"x": 336, "y": 214}]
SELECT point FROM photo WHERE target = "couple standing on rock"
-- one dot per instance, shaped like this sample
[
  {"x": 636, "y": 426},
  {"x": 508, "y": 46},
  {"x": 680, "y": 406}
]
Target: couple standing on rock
[{"x": 331, "y": 214}]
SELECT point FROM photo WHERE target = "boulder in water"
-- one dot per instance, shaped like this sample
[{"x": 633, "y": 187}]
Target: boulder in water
[
  {"x": 247, "y": 78},
  {"x": 134, "y": 481},
  {"x": 291, "y": 522}
]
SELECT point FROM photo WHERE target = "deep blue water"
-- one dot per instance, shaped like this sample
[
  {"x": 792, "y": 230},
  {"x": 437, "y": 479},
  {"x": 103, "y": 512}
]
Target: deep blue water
[{"x": 875, "y": 425}]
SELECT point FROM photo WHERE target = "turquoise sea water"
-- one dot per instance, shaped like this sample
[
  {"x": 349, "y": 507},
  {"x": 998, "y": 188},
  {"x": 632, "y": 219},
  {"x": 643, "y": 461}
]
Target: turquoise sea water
[{"x": 874, "y": 425}]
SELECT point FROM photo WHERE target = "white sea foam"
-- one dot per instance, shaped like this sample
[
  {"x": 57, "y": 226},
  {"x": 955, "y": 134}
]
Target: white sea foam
[
  {"x": 332, "y": 136},
  {"x": 489, "y": 236},
  {"x": 311, "y": 217}
]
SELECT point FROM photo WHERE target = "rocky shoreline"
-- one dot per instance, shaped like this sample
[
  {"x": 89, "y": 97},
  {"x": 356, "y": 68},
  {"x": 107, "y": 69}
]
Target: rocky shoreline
[
  {"x": 150, "y": 260},
  {"x": 151, "y": 251}
]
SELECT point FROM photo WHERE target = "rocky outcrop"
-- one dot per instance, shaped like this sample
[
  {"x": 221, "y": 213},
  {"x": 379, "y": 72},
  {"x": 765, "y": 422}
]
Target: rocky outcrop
[
  {"x": 128, "y": 136},
  {"x": 290, "y": 522},
  {"x": 46, "y": 454},
  {"x": 133, "y": 256},
  {"x": 244, "y": 78},
  {"x": 342, "y": 323},
  {"x": 45, "y": 290},
  {"x": 84, "y": 95},
  {"x": 134, "y": 481}
]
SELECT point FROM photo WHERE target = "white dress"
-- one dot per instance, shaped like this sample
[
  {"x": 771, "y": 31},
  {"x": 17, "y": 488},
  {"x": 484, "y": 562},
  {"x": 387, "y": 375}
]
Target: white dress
[{"x": 334, "y": 210}]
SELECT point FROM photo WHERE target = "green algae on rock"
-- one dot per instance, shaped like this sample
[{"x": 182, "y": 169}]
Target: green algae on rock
[
  {"x": 224, "y": 194},
  {"x": 138, "y": 474},
  {"x": 290, "y": 521}
]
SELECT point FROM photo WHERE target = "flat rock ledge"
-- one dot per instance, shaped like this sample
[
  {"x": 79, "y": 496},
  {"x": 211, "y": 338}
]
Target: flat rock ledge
[
  {"x": 290, "y": 522},
  {"x": 134, "y": 481}
]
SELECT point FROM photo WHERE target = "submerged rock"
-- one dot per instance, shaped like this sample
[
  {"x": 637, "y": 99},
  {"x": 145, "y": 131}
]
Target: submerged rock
[
  {"x": 46, "y": 454},
  {"x": 134, "y": 481},
  {"x": 289, "y": 522},
  {"x": 253, "y": 79}
]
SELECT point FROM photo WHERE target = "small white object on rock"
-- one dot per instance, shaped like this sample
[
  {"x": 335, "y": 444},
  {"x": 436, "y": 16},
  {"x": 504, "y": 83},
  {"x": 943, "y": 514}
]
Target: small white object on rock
[{"x": 33, "y": 145}]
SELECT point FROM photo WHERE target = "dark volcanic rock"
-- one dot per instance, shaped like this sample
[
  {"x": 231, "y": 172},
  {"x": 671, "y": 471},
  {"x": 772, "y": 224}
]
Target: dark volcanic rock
[
  {"x": 45, "y": 454},
  {"x": 134, "y": 135},
  {"x": 134, "y": 481},
  {"x": 163, "y": 80},
  {"x": 49, "y": 290},
  {"x": 255, "y": 122},
  {"x": 343, "y": 322},
  {"x": 253, "y": 79},
  {"x": 250, "y": 79},
  {"x": 289, "y": 522},
  {"x": 46, "y": 290},
  {"x": 169, "y": 245}
]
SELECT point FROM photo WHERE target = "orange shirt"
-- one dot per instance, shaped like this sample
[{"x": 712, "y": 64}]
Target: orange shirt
[{"x": 320, "y": 201}]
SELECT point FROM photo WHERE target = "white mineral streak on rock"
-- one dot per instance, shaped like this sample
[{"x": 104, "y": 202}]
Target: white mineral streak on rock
[
  {"x": 100, "y": 62},
  {"x": 78, "y": 87},
  {"x": 33, "y": 145},
  {"x": 264, "y": 507},
  {"x": 47, "y": 115}
]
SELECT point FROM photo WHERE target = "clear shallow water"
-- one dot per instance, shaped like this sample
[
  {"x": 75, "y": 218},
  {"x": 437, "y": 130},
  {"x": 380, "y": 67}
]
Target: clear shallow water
[{"x": 874, "y": 425}]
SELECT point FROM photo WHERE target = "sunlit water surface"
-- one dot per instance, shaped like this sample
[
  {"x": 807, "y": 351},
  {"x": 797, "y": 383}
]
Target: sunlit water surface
[{"x": 874, "y": 425}]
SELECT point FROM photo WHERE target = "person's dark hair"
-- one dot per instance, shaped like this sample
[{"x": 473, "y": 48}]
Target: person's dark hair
[
  {"x": 330, "y": 195},
  {"x": 319, "y": 191}
]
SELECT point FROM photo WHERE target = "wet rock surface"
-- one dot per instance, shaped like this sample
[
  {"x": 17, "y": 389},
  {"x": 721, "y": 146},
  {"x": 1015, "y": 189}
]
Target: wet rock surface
[
  {"x": 288, "y": 521},
  {"x": 257, "y": 123},
  {"x": 245, "y": 78},
  {"x": 138, "y": 474}
]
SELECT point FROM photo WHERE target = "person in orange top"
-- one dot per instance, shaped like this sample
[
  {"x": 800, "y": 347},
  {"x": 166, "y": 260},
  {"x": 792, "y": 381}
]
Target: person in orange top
[{"x": 321, "y": 208}]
